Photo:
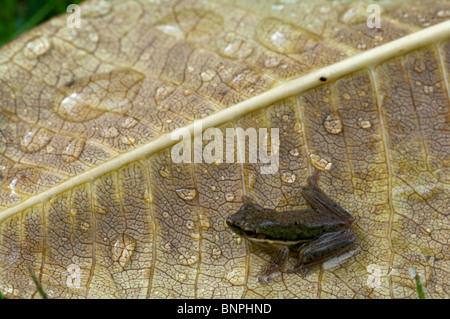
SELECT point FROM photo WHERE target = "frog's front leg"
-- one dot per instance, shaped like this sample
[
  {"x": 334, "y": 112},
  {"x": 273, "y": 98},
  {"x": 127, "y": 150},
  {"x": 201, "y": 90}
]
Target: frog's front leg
[
  {"x": 323, "y": 249},
  {"x": 275, "y": 267}
]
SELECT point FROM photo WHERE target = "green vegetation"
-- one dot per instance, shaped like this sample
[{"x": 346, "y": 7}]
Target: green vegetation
[
  {"x": 19, "y": 16},
  {"x": 420, "y": 289},
  {"x": 36, "y": 281}
]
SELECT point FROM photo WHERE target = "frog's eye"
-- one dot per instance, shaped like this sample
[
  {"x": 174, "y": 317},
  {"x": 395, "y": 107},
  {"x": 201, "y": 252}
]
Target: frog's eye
[
  {"x": 249, "y": 233},
  {"x": 246, "y": 207}
]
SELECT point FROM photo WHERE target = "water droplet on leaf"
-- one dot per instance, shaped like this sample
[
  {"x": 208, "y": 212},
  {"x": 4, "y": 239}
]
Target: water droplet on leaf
[
  {"x": 195, "y": 236},
  {"x": 205, "y": 224},
  {"x": 12, "y": 186},
  {"x": 294, "y": 152},
  {"x": 365, "y": 124},
  {"x": 346, "y": 96},
  {"x": 164, "y": 172},
  {"x": 271, "y": 62},
  {"x": 216, "y": 253},
  {"x": 187, "y": 193},
  {"x": 166, "y": 246},
  {"x": 128, "y": 140},
  {"x": 355, "y": 14},
  {"x": 428, "y": 89},
  {"x": 285, "y": 118},
  {"x": 99, "y": 209},
  {"x": 208, "y": 75},
  {"x": 129, "y": 122},
  {"x": 333, "y": 124},
  {"x": 162, "y": 93},
  {"x": 84, "y": 226},
  {"x": 110, "y": 132},
  {"x": 104, "y": 92},
  {"x": 35, "y": 139},
  {"x": 180, "y": 277},
  {"x": 283, "y": 37},
  {"x": 171, "y": 30},
  {"x": 443, "y": 13},
  {"x": 320, "y": 163},
  {"x": 236, "y": 277},
  {"x": 96, "y": 8},
  {"x": 288, "y": 177},
  {"x": 190, "y": 224},
  {"x": 37, "y": 47},
  {"x": 229, "y": 197},
  {"x": 238, "y": 49},
  {"x": 187, "y": 259},
  {"x": 73, "y": 150},
  {"x": 122, "y": 249},
  {"x": 93, "y": 37},
  {"x": 419, "y": 66}
]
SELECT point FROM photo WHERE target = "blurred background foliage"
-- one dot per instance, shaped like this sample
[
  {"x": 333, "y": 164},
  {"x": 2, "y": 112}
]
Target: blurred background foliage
[{"x": 19, "y": 16}]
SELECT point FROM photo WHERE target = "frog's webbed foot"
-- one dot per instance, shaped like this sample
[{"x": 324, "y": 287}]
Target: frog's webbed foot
[
  {"x": 313, "y": 180},
  {"x": 274, "y": 269},
  {"x": 303, "y": 269},
  {"x": 269, "y": 272}
]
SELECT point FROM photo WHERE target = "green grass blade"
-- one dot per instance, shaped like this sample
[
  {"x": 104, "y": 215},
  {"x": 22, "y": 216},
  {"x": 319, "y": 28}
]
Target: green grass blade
[
  {"x": 36, "y": 281},
  {"x": 420, "y": 289},
  {"x": 36, "y": 19}
]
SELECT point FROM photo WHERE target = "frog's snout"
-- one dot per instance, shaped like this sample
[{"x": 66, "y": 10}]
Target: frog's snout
[
  {"x": 229, "y": 221},
  {"x": 235, "y": 220},
  {"x": 232, "y": 222}
]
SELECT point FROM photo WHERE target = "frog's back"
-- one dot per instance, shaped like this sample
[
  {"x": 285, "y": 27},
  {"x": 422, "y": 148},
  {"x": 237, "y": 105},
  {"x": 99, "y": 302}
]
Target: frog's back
[{"x": 301, "y": 225}]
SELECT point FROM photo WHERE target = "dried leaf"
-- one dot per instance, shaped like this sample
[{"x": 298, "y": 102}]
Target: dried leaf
[{"x": 92, "y": 201}]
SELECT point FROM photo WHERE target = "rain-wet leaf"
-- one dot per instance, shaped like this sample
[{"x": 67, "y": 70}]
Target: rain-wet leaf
[{"x": 93, "y": 203}]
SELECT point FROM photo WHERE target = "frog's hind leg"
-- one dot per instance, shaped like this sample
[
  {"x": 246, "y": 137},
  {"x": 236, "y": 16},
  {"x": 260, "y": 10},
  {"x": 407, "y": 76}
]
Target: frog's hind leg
[
  {"x": 248, "y": 201},
  {"x": 313, "y": 181},
  {"x": 277, "y": 265},
  {"x": 320, "y": 201},
  {"x": 322, "y": 249}
]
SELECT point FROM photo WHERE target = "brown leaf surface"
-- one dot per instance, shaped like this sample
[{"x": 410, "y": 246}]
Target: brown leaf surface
[{"x": 88, "y": 186}]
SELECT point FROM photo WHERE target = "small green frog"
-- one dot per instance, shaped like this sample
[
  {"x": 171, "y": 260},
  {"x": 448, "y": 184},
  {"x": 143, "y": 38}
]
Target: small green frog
[{"x": 318, "y": 234}]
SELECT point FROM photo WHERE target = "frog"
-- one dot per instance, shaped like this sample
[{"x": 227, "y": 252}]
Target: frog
[{"x": 316, "y": 234}]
